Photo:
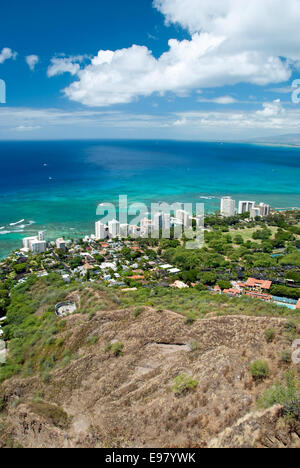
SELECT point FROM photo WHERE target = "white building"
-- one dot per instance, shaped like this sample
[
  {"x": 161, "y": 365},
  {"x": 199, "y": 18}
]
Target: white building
[
  {"x": 228, "y": 207},
  {"x": 246, "y": 206},
  {"x": 199, "y": 221},
  {"x": 27, "y": 241},
  {"x": 254, "y": 212},
  {"x": 100, "y": 230},
  {"x": 61, "y": 243},
  {"x": 134, "y": 231},
  {"x": 184, "y": 217},
  {"x": 114, "y": 228},
  {"x": 264, "y": 209},
  {"x": 41, "y": 236},
  {"x": 260, "y": 210},
  {"x": 124, "y": 230},
  {"x": 157, "y": 221},
  {"x": 38, "y": 246},
  {"x": 166, "y": 221},
  {"x": 146, "y": 226}
]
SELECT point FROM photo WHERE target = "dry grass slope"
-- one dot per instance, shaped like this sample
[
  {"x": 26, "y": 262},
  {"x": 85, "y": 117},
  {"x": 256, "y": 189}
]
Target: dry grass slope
[{"x": 100, "y": 400}]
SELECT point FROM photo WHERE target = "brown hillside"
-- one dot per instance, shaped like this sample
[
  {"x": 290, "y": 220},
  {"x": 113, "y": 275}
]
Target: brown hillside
[{"x": 103, "y": 400}]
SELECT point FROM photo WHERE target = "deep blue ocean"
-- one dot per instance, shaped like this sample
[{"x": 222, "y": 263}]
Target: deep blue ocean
[{"x": 57, "y": 186}]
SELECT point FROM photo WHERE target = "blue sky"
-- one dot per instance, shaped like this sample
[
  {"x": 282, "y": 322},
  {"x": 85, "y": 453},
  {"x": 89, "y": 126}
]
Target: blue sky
[{"x": 185, "y": 69}]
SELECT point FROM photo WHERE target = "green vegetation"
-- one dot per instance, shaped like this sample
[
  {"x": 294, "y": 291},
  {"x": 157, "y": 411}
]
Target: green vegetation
[
  {"x": 234, "y": 249},
  {"x": 223, "y": 284},
  {"x": 194, "y": 346},
  {"x": 285, "y": 357},
  {"x": 291, "y": 259},
  {"x": 138, "y": 311},
  {"x": 290, "y": 326},
  {"x": 183, "y": 384},
  {"x": 34, "y": 334},
  {"x": 259, "y": 370},
  {"x": 92, "y": 340},
  {"x": 115, "y": 348},
  {"x": 284, "y": 291},
  {"x": 286, "y": 394},
  {"x": 31, "y": 327},
  {"x": 270, "y": 334},
  {"x": 195, "y": 304}
]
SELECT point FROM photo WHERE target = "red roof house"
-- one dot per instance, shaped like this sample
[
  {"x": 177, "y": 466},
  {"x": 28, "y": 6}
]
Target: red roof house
[
  {"x": 232, "y": 291},
  {"x": 298, "y": 304},
  {"x": 136, "y": 277},
  {"x": 258, "y": 284}
]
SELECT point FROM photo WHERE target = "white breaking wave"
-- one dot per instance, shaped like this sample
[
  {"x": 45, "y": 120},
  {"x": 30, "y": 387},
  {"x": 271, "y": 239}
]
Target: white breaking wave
[{"x": 18, "y": 222}]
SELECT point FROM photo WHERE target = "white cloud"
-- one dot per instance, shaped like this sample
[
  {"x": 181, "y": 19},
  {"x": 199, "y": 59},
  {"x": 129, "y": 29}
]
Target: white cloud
[
  {"x": 32, "y": 61},
  {"x": 24, "y": 128},
  {"x": 121, "y": 76},
  {"x": 272, "y": 115},
  {"x": 7, "y": 54},
  {"x": 271, "y": 109},
  {"x": 60, "y": 65},
  {"x": 272, "y": 119},
  {"x": 282, "y": 90},
  {"x": 231, "y": 42},
  {"x": 219, "y": 100},
  {"x": 180, "y": 122},
  {"x": 270, "y": 26}
]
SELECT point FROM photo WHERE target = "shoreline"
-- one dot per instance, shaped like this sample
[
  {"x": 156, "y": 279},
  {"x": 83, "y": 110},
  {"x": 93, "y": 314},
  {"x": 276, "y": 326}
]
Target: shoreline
[{"x": 78, "y": 233}]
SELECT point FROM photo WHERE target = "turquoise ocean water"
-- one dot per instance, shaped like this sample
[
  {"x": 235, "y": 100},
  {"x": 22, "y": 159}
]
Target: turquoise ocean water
[{"x": 57, "y": 186}]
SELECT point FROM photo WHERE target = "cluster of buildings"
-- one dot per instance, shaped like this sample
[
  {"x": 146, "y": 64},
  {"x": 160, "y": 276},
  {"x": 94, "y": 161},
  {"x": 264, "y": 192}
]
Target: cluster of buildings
[
  {"x": 38, "y": 244},
  {"x": 228, "y": 208},
  {"x": 160, "y": 221},
  {"x": 114, "y": 267},
  {"x": 258, "y": 289}
]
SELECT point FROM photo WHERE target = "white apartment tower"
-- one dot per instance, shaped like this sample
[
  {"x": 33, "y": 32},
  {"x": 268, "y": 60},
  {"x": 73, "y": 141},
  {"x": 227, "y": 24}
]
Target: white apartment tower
[
  {"x": 114, "y": 228},
  {"x": 246, "y": 206},
  {"x": 264, "y": 209},
  {"x": 184, "y": 217},
  {"x": 36, "y": 244},
  {"x": 260, "y": 210},
  {"x": 27, "y": 241},
  {"x": 228, "y": 207},
  {"x": 100, "y": 230},
  {"x": 41, "y": 236}
]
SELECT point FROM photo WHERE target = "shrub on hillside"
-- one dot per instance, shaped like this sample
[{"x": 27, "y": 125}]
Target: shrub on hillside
[
  {"x": 138, "y": 311},
  {"x": 190, "y": 319},
  {"x": 270, "y": 334},
  {"x": 286, "y": 394},
  {"x": 115, "y": 348},
  {"x": 183, "y": 384},
  {"x": 259, "y": 370},
  {"x": 285, "y": 357}
]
